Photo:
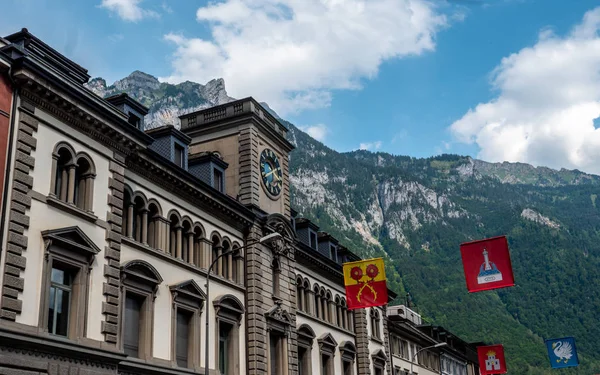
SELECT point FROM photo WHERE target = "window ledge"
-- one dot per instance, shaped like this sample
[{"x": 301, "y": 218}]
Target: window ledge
[
  {"x": 72, "y": 209},
  {"x": 166, "y": 257},
  {"x": 376, "y": 339},
  {"x": 306, "y": 315}
]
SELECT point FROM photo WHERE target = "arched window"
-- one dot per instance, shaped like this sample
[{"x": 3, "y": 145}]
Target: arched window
[
  {"x": 139, "y": 208},
  {"x": 84, "y": 183},
  {"x": 300, "y": 293},
  {"x": 323, "y": 301},
  {"x": 345, "y": 313},
  {"x": 63, "y": 162},
  {"x": 375, "y": 323},
  {"x": 187, "y": 246},
  {"x": 226, "y": 261},
  {"x": 305, "y": 343},
  {"x": 307, "y": 301},
  {"x": 329, "y": 315},
  {"x": 154, "y": 215},
  {"x": 238, "y": 265},
  {"x": 127, "y": 224},
  {"x": 338, "y": 312},
  {"x": 198, "y": 236},
  {"x": 175, "y": 235},
  {"x": 216, "y": 251},
  {"x": 317, "y": 301}
]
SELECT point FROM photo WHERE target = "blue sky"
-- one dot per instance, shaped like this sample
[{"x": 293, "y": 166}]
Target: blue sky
[{"x": 500, "y": 80}]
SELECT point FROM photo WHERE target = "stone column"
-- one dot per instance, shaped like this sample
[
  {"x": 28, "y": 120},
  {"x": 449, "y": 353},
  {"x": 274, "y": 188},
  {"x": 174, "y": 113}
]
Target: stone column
[
  {"x": 53, "y": 191},
  {"x": 71, "y": 184},
  {"x": 130, "y": 220},
  {"x": 89, "y": 193},
  {"x": 230, "y": 266},
  {"x": 144, "y": 236},
  {"x": 64, "y": 185}
]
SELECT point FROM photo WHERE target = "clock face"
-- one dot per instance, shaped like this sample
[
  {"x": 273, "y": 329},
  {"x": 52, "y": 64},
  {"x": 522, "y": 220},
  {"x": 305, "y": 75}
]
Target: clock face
[{"x": 270, "y": 170}]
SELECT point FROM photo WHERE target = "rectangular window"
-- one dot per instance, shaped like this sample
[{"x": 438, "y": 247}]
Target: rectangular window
[
  {"x": 275, "y": 354},
  {"x": 134, "y": 120},
  {"x": 61, "y": 283},
  {"x": 179, "y": 155},
  {"x": 218, "y": 180},
  {"x": 303, "y": 361},
  {"x": 325, "y": 364},
  {"x": 183, "y": 337},
  {"x": 333, "y": 253},
  {"x": 224, "y": 339},
  {"x": 131, "y": 325},
  {"x": 347, "y": 370},
  {"x": 378, "y": 371},
  {"x": 313, "y": 240}
]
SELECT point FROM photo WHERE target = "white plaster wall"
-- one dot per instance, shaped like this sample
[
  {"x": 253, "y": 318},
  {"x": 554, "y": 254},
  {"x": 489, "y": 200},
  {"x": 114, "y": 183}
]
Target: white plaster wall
[
  {"x": 321, "y": 330},
  {"x": 169, "y": 202},
  {"x": 172, "y": 274},
  {"x": 404, "y": 364},
  {"x": 44, "y": 217}
]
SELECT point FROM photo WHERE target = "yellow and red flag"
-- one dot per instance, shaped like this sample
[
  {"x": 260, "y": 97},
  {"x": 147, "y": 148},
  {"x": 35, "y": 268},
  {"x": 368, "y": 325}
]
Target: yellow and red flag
[{"x": 365, "y": 283}]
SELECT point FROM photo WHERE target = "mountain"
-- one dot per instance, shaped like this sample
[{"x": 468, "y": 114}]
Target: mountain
[{"x": 416, "y": 212}]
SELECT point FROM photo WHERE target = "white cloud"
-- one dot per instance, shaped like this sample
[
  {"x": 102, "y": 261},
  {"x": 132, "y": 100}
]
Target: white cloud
[
  {"x": 128, "y": 10},
  {"x": 549, "y": 96},
  {"x": 370, "y": 146},
  {"x": 293, "y": 53},
  {"x": 318, "y": 132}
]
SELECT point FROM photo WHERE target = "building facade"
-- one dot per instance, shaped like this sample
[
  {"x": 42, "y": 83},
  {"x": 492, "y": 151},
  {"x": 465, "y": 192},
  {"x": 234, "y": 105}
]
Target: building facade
[{"x": 109, "y": 230}]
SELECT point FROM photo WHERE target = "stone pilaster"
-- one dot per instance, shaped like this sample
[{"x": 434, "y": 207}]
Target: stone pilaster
[
  {"x": 363, "y": 357},
  {"x": 18, "y": 218},
  {"x": 249, "y": 168},
  {"x": 386, "y": 341},
  {"x": 112, "y": 305}
]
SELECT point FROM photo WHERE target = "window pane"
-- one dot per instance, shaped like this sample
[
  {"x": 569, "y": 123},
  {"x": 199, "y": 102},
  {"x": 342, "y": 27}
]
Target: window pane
[
  {"x": 60, "y": 276},
  {"x": 183, "y": 334},
  {"x": 302, "y": 368},
  {"x": 62, "y": 312},
  {"x": 273, "y": 345},
  {"x": 325, "y": 364},
  {"x": 224, "y": 332},
  {"x": 131, "y": 328},
  {"x": 179, "y": 155}
]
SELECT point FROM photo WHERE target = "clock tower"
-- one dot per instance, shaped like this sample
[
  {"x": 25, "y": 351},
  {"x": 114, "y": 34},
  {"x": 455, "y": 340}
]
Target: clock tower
[{"x": 253, "y": 143}]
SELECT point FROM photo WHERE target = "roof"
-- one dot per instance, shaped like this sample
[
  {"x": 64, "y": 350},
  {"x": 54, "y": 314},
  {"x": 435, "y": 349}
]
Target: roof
[{"x": 124, "y": 98}]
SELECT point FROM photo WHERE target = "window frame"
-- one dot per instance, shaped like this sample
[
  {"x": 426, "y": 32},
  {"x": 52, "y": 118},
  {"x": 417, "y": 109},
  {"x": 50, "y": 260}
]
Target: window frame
[
  {"x": 180, "y": 162},
  {"x": 348, "y": 355},
  {"x": 71, "y": 248},
  {"x": 327, "y": 346},
  {"x": 229, "y": 310},
  {"x": 188, "y": 297},
  {"x": 305, "y": 339},
  {"x": 140, "y": 278}
]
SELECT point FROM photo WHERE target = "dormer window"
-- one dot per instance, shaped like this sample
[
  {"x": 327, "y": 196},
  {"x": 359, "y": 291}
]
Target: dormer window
[
  {"x": 218, "y": 179},
  {"x": 333, "y": 253},
  {"x": 179, "y": 158},
  {"x": 313, "y": 240},
  {"x": 134, "y": 120}
]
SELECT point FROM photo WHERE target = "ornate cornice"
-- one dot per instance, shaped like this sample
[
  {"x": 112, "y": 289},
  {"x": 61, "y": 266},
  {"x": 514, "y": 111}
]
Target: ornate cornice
[{"x": 76, "y": 117}]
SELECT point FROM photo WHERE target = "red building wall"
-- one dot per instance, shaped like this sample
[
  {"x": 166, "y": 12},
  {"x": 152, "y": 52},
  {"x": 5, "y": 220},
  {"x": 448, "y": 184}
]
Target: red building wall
[{"x": 5, "y": 108}]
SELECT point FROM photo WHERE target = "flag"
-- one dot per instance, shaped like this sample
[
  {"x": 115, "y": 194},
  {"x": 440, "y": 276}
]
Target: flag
[
  {"x": 562, "y": 352},
  {"x": 487, "y": 264},
  {"x": 491, "y": 359},
  {"x": 365, "y": 283}
]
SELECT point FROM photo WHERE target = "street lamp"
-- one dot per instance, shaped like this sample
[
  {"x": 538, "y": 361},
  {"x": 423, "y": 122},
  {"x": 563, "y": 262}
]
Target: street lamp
[
  {"x": 439, "y": 344},
  {"x": 266, "y": 239}
]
